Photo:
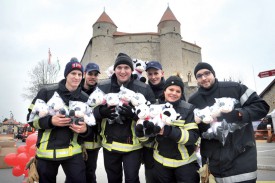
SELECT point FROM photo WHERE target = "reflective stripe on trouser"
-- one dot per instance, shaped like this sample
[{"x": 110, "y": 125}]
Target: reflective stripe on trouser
[
  {"x": 238, "y": 178},
  {"x": 43, "y": 152},
  {"x": 173, "y": 162}
]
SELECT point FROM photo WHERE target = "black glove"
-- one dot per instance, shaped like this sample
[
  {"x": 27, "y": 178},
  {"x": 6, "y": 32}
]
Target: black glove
[
  {"x": 232, "y": 117},
  {"x": 128, "y": 112},
  {"x": 139, "y": 131},
  {"x": 167, "y": 130},
  {"x": 107, "y": 112}
]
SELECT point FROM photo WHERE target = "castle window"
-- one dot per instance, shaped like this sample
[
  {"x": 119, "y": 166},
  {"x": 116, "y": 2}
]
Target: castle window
[
  {"x": 98, "y": 27},
  {"x": 107, "y": 31},
  {"x": 174, "y": 28}
]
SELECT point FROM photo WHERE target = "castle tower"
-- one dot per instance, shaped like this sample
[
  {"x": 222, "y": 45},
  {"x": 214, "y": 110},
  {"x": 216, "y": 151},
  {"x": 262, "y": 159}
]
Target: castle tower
[
  {"x": 170, "y": 43},
  {"x": 101, "y": 46}
]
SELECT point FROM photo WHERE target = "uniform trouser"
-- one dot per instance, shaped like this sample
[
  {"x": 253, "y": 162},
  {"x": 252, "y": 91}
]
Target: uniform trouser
[
  {"x": 148, "y": 160},
  {"x": 183, "y": 174},
  {"x": 74, "y": 169},
  {"x": 91, "y": 165},
  {"x": 130, "y": 162}
]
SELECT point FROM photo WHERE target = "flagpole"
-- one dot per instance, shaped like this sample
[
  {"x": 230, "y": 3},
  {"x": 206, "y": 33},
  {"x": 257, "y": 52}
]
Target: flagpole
[
  {"x": 50, "y": 55},
  {"x": 254, "y": 78}
]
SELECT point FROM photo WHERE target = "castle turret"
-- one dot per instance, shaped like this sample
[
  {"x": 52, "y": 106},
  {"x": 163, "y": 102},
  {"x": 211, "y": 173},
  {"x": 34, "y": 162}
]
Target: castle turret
[
  {"x": 170, "y": 43},
  {"x": 101, "y": 47}
]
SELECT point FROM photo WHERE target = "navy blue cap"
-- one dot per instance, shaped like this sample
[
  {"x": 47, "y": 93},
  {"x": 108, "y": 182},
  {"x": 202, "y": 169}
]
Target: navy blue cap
[
  {"x": 92, "y": 67},
  {"x": 153, "y": 64}
]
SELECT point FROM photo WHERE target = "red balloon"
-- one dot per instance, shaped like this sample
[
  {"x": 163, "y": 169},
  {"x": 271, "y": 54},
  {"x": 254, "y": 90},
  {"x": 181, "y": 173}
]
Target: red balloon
[
  {"x": 26, "y": 173},
  {"x": 22, "y": 159},
  {"x": 11, "y": 159},
  {"x": 21, "y": 149},
  {"x": 17, "y": 171},
  {"x": 32, "y": 150},
  {"x": 31, "y": 139}
]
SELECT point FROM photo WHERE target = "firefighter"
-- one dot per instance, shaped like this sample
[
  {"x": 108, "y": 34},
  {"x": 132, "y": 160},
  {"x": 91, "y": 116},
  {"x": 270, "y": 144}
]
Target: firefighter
[
  {"x": 57, "y": 142},
  {"x": 92, "y": 143},
  {"x": 121, "y": 147}
]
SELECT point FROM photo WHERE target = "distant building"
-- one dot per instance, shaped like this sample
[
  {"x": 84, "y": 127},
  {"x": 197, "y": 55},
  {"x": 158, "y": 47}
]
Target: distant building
[
  {"x": 10, "y": 126},
  {"x": 165, "y": 46},
  {"x": 268, "y": 94}
]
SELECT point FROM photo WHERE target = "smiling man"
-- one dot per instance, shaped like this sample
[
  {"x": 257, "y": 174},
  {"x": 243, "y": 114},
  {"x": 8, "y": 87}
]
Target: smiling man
[
  {"x": 92, "y": 143},
  {"x": 58, "y": 141},
  {"x": 236, "y": 160},
  {"x": 121, "y": 147}
]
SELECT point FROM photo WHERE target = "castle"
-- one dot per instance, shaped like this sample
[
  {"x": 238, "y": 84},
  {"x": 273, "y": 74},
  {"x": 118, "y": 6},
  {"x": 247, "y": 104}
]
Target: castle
[{"x": 165, "y": 46}]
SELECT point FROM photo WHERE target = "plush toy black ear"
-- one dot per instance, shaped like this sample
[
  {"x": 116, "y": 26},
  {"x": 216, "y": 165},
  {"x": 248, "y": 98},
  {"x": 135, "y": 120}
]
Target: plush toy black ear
[
  {"x": 143, "y": 79},
  {"x": 135, "y": 76}
]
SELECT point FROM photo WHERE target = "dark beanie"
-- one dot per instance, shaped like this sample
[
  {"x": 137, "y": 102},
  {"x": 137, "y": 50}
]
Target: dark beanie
[
  {"x": 204, "y": 65},
  {"x": 122, "y": 58},
  {"x": 73, "y": 64},
  {"x": 174, "y": 80}
]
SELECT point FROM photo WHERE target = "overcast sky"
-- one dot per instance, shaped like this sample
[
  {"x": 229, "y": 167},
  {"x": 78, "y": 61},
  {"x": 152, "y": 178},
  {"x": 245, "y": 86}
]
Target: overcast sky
[{"x": 237, "y": 37}]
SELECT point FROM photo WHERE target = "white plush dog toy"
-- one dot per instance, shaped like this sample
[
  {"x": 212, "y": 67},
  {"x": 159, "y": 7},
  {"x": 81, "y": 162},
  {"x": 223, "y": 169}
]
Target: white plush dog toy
[
  {"x": 96, "y": 98},
  {"x": 56, "y": 104},
  {"x": 40, "y": 108},
  {"x": 139, "y": 68}
]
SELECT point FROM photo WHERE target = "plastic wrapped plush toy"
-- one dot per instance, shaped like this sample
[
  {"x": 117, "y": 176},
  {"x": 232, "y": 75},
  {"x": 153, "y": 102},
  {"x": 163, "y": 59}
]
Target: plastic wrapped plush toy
[
  {"x": 40, "y": 108},
  {"x": 96, "y": 98},
  {"x": 56, "y": 104},
  {"x": 80, "y": 111},
  {"x": 218, "y": 130},
  {"x": 112, "y": 99},
  {"x": 143, "y": 111}
]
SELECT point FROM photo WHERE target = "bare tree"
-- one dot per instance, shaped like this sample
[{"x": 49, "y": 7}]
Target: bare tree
[{"x": 42, "y": 74}]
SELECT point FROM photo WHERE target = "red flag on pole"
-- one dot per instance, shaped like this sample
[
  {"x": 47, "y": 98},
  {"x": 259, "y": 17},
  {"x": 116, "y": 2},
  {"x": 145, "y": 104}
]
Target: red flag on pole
[{"x": 50, "y": 55}]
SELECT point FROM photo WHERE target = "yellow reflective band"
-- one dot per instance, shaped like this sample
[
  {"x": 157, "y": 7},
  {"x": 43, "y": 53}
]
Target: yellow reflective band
[
  {"x": 190, "y": 126},
  {"x": 31, "y": 107},
  {"x": 121, "y": 147},
  {"x": 184, "y": 136},
  {"x": 178, "y": 123},
  {"x": 172, "y": 162},
  {"x": 143, "y": 139},
  {"x": 36, "y": 122},
  {"x": 135, "y": 139},
  {"x": 183, "y": 151},
  {"x": 92, "y": 145},
  {"x": 45, "y": 139},
  {"x": 59, "y": 153}
]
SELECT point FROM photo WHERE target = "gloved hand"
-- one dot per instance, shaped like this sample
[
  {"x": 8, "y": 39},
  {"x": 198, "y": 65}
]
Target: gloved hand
[
  {"x": 232, "y": 117},
  {"x": 107, "y": 112},
  {"x": 33, "y": 174},
  {"x": 139, "y": 131},
  {"x": 128, "y": 112},
  {"x": 167, "y": 130}
]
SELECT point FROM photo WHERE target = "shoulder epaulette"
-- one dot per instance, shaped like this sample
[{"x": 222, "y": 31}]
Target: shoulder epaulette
[
  {"x": 51, "y": 87},
  {"x": 104, "y": 82},
  {"x": 140, "y": 84},
  {"x": 185, "y": 105},
  {"x": 226, "y": 84},
  {"x": 194, "y": 95},
  {"x": 84, "y": 93}
]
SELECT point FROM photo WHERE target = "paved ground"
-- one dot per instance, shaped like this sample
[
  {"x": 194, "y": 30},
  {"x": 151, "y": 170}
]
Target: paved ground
[{"x": 266, "y": 167}]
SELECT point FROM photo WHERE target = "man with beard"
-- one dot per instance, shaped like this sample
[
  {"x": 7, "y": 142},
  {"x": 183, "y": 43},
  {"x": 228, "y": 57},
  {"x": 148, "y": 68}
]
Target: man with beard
[{"x": 92, "y": 143}]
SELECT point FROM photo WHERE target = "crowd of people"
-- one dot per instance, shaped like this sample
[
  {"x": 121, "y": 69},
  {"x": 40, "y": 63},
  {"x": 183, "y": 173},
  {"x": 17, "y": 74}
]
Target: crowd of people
[{"x": 170, "y": 154}]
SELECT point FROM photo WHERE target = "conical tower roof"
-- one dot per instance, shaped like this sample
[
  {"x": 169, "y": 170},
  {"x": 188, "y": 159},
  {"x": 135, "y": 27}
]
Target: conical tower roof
[
  {"x": 105, "y": 18},
  {"x": 168, "y": 16}
]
